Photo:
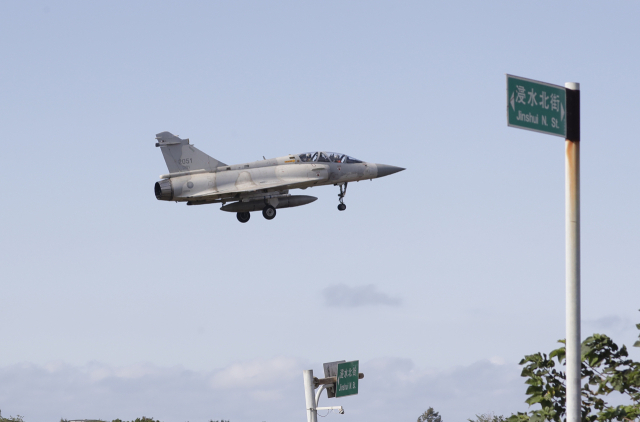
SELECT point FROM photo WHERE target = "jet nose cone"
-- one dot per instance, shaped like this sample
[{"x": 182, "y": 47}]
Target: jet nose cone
[{"x": 385, "y": 170}]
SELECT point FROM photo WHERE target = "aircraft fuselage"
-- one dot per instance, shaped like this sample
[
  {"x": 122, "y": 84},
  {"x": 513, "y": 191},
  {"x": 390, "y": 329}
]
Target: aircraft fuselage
[{"x": 197, "y": 179}]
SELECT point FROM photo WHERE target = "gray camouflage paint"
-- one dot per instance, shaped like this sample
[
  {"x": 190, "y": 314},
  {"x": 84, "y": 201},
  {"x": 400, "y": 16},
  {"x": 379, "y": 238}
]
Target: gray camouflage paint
[{"x": 197, "y": 178}]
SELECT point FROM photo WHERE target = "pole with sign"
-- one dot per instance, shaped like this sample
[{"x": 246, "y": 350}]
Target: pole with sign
[
  {"x": 555, "y": 110},
  {"x": 341, "y": 379},
  {"x": 572, "y": 221}
]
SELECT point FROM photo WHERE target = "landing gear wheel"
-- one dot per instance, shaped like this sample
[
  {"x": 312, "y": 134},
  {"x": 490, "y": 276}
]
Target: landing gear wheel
[
  {"x": 269, "y": 212},
  {"x": 342, "y": 207},
  {"x": 243, "y": 217}
]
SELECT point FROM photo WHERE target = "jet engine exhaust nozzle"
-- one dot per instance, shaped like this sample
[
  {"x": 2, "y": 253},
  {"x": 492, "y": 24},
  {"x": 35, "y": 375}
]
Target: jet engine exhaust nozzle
[{"x": 164, "y": 190}]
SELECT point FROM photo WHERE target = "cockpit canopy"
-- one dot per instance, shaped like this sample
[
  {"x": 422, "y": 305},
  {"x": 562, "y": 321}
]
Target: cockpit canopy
[{"x": 327, "y": 157}]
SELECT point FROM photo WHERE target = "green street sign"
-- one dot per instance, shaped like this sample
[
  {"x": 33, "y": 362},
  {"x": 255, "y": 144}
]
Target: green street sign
[
  {"x": 347, "y": 383},
  {"x": 537, "y": 106}
]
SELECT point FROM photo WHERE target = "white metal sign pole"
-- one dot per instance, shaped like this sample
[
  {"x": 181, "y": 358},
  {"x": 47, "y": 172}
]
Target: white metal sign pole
[
  {"x": 309, "y": 396},
  {"x": 572, "y": 210}
]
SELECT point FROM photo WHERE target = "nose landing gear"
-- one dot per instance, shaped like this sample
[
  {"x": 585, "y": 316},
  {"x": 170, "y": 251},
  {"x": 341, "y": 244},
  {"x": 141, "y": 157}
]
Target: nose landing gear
[
  {"x": 243, "y": 217},
  {"x": 341, "y": 195}
]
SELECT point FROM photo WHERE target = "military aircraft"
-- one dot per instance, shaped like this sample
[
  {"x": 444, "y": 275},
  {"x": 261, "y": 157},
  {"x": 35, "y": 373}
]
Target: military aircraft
[{"x": 197, "y": 179}]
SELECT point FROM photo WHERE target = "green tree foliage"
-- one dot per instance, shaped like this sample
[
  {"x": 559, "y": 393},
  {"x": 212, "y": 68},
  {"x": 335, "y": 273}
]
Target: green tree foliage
[
  {"x": 430, "y": 416},
  {"x": 488, "y": 417},
  {"x": 142, "y": 419},
  {"x": 17, "y": 418},
  {"x": 605, "y": 368},
  {"x": 637, "y": 343}
]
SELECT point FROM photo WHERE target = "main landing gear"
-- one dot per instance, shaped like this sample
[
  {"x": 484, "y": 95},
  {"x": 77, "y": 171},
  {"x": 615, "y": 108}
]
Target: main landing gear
[
  {"x": 269, "y": 212},
  {"x": 341, "y": 195}
]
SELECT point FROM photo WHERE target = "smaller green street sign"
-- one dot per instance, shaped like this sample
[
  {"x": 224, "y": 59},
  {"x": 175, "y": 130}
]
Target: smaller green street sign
[
  {"x": 348, "y": 373},
  {"x": 537, "y": 106}
]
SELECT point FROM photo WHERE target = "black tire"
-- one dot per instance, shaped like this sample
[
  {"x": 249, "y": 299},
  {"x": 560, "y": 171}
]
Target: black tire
[
  {"x": 269, "y": 212},
  {"x": 243, "y": 217},
  {"x": 342, "y": 207}
]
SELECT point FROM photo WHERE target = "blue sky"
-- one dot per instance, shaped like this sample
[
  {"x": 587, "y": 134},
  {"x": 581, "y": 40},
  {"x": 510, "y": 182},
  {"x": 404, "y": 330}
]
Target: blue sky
[{"x": 454, "y": 264}]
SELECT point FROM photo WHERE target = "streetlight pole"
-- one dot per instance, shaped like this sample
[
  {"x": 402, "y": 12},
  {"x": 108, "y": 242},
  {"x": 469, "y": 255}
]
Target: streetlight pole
[{"x": 309, "y": 396}]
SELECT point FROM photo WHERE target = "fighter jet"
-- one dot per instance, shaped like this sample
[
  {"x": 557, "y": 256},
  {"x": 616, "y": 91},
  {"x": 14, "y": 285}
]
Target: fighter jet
[{"x": 197, "y": 179}]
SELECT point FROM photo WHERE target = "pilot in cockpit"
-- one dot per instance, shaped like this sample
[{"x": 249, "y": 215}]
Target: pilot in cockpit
[{"x": 305, "y": 157}]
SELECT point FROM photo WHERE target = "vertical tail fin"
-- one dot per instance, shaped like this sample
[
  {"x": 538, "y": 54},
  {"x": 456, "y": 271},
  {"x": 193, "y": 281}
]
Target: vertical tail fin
[{"x": 181, "y": 156}]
